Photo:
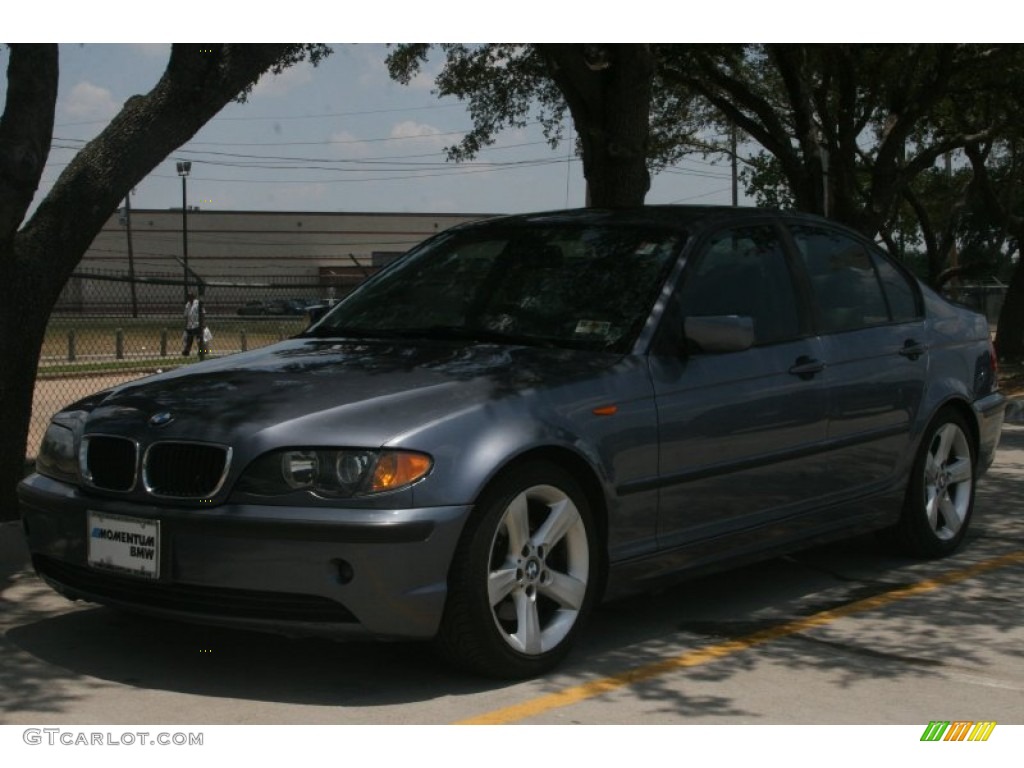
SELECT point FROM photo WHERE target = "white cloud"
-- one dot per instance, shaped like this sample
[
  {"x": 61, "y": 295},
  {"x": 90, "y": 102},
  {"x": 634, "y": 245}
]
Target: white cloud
[
  {"x": 345, "y": 144},
  {"x": 91, "y": 101},
  {"x": 298, "y": 197},
  {"x": 271, "y": 85},
  {"x": 410, "y": 129},
  {"x": 153, "y": 50}
]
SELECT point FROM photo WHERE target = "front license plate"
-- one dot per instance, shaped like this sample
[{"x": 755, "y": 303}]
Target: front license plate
[{"x": 124, "y": 544}]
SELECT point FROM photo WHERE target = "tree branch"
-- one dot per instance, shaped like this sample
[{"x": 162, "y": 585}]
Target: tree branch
[
  {"x": 26, "y": 130},
  {"x": 195, "y": 86}
]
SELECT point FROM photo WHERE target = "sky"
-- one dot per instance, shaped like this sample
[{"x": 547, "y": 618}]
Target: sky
[
  {"x": 344, "y": 137},
  {"x": 341, "y": 136}
]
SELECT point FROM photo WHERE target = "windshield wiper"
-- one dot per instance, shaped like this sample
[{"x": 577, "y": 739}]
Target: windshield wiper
[
  {"x": 482, "y": 335},
  {"x": 447, "y": 333},
  {"x": 332, "y": 332}
]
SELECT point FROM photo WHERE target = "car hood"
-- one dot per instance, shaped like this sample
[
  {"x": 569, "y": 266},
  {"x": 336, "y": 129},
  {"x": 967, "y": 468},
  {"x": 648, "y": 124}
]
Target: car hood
[{"x": 317, "y": 392}]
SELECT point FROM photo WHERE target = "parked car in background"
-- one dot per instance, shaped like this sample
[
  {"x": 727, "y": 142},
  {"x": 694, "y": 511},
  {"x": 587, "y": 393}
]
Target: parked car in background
[
  {"x": 319, "y": 308},
  {"x": 254, "y": 308},
  {"x": 280, "y": 307},
  {"x": 522, "y": 417}
]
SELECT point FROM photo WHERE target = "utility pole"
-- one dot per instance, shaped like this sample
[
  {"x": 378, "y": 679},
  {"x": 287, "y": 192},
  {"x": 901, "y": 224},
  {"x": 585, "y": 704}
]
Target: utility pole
[
  {"x": 183, "y": 170},
  {"x": 131, "y": 257},
  {"x": 824, "y": 181},
  {"x": 735, "y": 168},
  {"x": 954, "y": 255}
]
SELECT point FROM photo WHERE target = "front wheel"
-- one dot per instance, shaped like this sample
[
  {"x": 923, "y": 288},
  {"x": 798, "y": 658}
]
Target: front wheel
[
  {"x": 940, "y": 496},
  {"x": 524, "y": 576}
]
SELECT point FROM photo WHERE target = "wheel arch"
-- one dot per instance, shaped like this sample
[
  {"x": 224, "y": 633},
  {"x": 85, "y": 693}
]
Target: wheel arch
[
  {"x": 928, "y": 534},
  {"x": 581, "y": 471},
  {"x": 471, "y": 636},
  {"x": 961, "y": 408}
]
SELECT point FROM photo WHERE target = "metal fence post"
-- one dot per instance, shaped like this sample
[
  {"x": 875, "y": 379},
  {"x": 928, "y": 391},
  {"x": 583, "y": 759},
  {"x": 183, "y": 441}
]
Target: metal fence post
[
  {"x": 243, "y": 340},
  {"x": 71, "y": 346},
  {"x": 119, "y": 344},
  {"x": 163, "y": 342}
]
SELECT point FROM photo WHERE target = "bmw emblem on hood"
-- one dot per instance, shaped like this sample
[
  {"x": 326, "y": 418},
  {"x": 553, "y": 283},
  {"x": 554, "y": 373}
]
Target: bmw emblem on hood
[{"x": 161, "y": 419}]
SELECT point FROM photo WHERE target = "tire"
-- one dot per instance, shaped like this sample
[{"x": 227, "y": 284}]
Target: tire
[
  {"x": 940, "y": 496},
  {"x": 524, "y": 576}
]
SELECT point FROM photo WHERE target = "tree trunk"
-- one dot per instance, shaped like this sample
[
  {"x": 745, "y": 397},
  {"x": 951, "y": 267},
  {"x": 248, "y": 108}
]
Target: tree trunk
[
  {"x": 608, "y": 90},
  {"x": 22, "y": 326},
  {"x": 1010, "y": 329},
  {"x": 36, "y": 260}
]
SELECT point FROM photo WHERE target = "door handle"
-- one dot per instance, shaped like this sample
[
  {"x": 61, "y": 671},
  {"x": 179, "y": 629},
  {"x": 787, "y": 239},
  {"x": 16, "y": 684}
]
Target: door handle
[
  {"x": 806, "y": 367},
  {"x": 912, "y": 349}
]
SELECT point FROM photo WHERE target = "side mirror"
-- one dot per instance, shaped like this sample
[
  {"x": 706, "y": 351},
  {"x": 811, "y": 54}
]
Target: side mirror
[
  {"x": 316, "y": 312},
  {"x": 719, "y": 333}
]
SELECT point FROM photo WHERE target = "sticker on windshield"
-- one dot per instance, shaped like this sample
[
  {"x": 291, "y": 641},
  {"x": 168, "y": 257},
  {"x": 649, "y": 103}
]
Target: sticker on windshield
[{"x": 593, "y": 328}]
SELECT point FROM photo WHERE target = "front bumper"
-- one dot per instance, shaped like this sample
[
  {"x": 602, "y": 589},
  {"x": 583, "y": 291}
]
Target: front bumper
[{"x": 296, "y": 570}]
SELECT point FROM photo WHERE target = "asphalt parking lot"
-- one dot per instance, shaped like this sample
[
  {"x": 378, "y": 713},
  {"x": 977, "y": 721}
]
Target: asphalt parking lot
[{"x": 843, "y": 634}]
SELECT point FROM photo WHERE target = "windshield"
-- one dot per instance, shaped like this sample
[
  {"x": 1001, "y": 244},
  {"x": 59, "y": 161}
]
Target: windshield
[{"x": 577, "y": 286}]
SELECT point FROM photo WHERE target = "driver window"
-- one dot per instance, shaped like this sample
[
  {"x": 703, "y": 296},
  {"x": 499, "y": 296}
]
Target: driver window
[{"x": 743, "y": 272}]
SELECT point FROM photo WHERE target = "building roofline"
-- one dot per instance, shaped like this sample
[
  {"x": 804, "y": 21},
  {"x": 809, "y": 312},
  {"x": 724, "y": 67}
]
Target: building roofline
[{"x": 385, "y": 214}]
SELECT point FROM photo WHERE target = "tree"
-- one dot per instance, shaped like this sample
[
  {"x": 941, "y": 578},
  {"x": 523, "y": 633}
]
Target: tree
[
  {"x": 1000, "y": 173},
  {"x": 606, "y": 88},
  {"x": 38, "y": 256},
  {"x": 849, "y": 126}
]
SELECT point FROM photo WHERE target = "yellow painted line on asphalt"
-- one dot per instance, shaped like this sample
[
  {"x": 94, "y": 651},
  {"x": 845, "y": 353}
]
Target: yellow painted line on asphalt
[{"x": 710, "y": 653}]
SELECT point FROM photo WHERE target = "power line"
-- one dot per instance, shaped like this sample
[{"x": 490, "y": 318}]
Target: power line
[
  {"x": 453, "y": 171},
  {"x": 697, "y": 197},
  {"x": 355, "y": 113}
]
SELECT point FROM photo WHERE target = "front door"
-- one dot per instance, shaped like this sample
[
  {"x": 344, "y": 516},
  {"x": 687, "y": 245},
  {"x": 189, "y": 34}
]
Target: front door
[{"x": 739, "y": 432}]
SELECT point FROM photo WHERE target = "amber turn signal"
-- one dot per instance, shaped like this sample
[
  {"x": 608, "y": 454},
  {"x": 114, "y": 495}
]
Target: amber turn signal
[{"x": 398, "y": 468}]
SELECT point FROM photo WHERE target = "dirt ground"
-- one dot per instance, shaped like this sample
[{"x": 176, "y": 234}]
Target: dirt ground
[
  {"x": 1011, "y": 378},
  {"x": 53, "y": 394}
]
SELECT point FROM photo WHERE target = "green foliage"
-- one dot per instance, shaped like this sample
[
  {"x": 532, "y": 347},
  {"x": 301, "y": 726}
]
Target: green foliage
[
  {"x": 763, "y": 180},
  {"x": 504, "y": 85},
  {"x": 871, "y": 121},
  {"x": 511, "y": 86},
  {"x": 314, "y": 53}
]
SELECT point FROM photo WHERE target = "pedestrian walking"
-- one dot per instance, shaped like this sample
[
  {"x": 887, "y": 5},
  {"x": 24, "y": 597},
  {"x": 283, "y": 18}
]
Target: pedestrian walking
[{"x": 193, "y": 326}]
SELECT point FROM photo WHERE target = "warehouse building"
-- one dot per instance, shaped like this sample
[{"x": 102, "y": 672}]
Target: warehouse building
[{"x": 317, "y": 253}]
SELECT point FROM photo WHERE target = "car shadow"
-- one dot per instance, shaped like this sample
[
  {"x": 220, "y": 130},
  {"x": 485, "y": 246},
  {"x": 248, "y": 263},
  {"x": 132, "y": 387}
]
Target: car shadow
[{"x": 46, "y": 660}]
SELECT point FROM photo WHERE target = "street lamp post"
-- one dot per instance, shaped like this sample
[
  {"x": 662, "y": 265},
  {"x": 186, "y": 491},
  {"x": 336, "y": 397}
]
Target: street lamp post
[
  {"x": 127, "y": 221},
  {"x": 183, "y": 171},
  {"x": 184, "y": 168}
]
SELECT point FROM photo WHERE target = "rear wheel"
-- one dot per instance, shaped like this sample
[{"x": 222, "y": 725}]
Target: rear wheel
[
  {"x": 940, "y": 496},
  {"x": 524, "y": 576}
]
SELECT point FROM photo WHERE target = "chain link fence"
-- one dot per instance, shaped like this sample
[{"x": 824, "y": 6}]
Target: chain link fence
[{"x": 107, "y": 329}]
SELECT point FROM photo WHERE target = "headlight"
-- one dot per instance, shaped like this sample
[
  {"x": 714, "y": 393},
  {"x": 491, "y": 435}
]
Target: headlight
[
  {"x": 57, "y": 456},
  {"x": 338, "y": 473},
  {"x": 299, "y": 468}
]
